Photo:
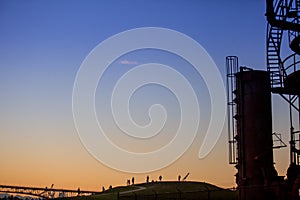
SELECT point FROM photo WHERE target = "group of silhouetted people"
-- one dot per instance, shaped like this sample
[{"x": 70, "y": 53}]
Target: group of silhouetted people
[
  {"x": 132, "y": 181},
  {"x": 159, "y": 178},
  {"x": 148, "y": 180},
  {"x": 103, "y": 188}
]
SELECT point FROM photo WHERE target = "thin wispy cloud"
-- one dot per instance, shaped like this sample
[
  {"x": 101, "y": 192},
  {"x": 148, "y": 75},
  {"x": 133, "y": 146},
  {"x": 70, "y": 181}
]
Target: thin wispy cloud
[{"x": 129, "y": 62}]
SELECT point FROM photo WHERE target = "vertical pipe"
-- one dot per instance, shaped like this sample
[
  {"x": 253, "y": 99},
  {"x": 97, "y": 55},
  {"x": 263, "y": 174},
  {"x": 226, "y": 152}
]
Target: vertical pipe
[{"x": 292, "y": 142}]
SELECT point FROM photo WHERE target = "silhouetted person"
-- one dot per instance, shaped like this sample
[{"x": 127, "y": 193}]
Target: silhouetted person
[
  {"x": 132, "y": 180},
  {"x": 160, "y": 177},
  {"x": 128, "y": 182},
  {"x": 179, "y": 177},
  {"x": 103, "y": 189},
  {"x": 147, "y": 179},
  {"x": 78, "y": 191}
]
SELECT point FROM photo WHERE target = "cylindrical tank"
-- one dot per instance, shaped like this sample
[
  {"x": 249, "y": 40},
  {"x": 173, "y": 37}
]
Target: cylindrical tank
[{"x": 254, "y": 135}]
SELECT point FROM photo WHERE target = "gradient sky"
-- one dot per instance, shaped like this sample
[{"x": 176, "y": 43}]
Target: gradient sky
[{"x": 43, "y": 44}]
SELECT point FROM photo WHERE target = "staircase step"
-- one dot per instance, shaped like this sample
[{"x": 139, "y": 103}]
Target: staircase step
[
  {"x": 272, "y": 51},
  {"x": 275, "y": 36},
  {"x": 273, "y": 59}
]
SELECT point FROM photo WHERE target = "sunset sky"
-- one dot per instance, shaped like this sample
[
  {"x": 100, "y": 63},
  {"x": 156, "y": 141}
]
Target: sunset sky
[{"x": 42, "y": 46}]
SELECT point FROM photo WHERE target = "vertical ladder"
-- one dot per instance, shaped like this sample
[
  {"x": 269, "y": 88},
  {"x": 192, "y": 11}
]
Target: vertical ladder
[{"x": 232, "y": 68}]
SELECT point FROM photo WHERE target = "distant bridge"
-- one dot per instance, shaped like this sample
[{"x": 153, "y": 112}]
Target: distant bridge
[{"x": 45, "y": 192}]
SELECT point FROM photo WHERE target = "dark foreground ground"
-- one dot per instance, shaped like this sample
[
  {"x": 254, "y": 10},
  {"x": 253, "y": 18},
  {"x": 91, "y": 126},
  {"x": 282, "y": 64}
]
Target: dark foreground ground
[{"x": 163, "y": 190}]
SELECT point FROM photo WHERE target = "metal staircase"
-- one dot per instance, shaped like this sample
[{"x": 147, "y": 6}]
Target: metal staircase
[
  {"x": 283, "y": 17},
  {"x": 274, "y": 39},
  {"x": 274, "y": 63}
]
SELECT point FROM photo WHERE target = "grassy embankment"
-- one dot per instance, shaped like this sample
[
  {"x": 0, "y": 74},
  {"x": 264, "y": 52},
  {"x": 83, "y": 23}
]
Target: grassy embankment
[{"x": 164, "y": 190}]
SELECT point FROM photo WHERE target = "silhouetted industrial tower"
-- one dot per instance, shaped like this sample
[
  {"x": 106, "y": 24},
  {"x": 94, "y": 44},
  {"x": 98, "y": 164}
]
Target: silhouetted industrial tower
[{"x": 251, "y": 138}]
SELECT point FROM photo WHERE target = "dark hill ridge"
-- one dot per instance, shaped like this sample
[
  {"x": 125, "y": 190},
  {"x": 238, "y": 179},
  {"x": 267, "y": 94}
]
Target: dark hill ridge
[
  {"x": 164, "y": 190},
  {"x": 175, "y": 185}
]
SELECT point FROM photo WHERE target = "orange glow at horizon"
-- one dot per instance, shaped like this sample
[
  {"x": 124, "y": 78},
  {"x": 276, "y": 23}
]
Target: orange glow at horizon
[{"x": 80, "y": 169}]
